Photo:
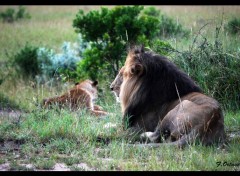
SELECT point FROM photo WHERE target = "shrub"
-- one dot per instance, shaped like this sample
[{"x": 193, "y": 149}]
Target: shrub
[
  {"x": 161, "y": 47},
  {"x": 67, "y": 60},
  {"x": 214, "y": 69},
  {"x": 10, "y": 16},
  {"x": 117, "y": 29},
  {"x": 63, "y": 63},
  {"x": 43, "y": 63},
  {"x": 92, "y": 65},
  {"x": 233, "y": 26},
  {"x": 21, "y": 13},
  {"x": 26, "y": 61},
  {"x": 44, "y": 56},
  {"x": 109, "y": 33}
]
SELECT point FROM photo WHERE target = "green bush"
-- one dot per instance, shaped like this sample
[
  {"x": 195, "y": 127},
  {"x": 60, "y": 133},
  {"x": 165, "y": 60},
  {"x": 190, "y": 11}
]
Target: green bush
[
  {"x": 45, "y": 64},
  {"x": 92, "y": 65},
  {"x": 233, "y": 26},
  {"x": 21, "y": 13},
  {"x": 10, "y": 16},
  {"x": 109, "y": 33},
  {"x": 26, "y": 61},
  {"x": 59, "y": 64},
  {"x": 214, "y": 69}
]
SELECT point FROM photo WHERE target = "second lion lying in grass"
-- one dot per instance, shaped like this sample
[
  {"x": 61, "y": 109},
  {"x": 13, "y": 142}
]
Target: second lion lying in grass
[{"x": 82, "y": 95}]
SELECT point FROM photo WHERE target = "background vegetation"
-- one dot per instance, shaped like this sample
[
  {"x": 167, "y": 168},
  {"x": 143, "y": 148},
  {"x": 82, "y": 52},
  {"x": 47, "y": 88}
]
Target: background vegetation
[{"x": 51, "y": 47}]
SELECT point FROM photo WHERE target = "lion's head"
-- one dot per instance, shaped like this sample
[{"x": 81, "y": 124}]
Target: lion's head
[{"x": 116, "y": 84}]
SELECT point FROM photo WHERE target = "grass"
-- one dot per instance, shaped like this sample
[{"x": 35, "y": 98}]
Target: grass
[
  {"x": 59, "y": 136},
  {"x": 46, "y": 137},
  {"x": 49, "y": 26}
]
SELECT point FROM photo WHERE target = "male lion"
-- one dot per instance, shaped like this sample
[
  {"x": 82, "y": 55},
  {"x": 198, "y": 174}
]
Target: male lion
[
  {"x": 164, "y": 102},
  {"x": 82, "y": 95}
]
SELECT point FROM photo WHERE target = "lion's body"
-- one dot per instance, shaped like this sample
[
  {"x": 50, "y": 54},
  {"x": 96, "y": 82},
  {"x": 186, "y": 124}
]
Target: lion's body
[
  {"x": 156, "y": 96},
  {"x": 82, "y": 95},
  {"x": 197, "y": 116}
]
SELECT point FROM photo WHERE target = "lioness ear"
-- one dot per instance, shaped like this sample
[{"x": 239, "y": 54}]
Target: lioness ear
[
  {"x": 95, "y": 83},
  {"x": 136, "y": 69}
]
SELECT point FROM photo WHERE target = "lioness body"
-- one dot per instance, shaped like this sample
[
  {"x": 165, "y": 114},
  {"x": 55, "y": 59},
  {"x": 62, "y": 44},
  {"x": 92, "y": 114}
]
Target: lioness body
[
  {"x": 82, "y": 95},
  {"x": 156, "y": 96}
]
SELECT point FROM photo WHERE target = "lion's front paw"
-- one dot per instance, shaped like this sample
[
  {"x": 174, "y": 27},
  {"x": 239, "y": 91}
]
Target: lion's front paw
[{"x": 147, "y": 137}]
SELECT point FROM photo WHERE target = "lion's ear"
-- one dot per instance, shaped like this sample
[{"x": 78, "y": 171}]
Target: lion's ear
[
  {"x": 136, "y": 69},
  {"x": 95, "y": 83}
]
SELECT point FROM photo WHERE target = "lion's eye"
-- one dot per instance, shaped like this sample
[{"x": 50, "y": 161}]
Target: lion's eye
[{"x": 125, "y": 74}]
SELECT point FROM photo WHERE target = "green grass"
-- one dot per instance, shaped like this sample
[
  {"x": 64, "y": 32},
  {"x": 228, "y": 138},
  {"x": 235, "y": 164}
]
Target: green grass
[
  {"x": 47, "y": 137},
  {"x": 52, "y": 136}
]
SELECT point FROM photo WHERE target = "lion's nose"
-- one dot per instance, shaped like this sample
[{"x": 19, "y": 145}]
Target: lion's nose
[{"x": 111, "y": 87}]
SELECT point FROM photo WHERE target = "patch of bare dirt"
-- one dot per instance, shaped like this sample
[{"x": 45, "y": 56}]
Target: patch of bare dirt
[
  {"x": 4, "y": 167},
  {"x": 13, "y": 115},
  {"x": 57, "y": 167},
  {"x": 233, "y": 135}
]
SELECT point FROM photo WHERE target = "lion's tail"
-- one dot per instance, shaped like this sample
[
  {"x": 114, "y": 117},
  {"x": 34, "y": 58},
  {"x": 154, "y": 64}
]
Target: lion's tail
[{"x": 155, "y": 145}]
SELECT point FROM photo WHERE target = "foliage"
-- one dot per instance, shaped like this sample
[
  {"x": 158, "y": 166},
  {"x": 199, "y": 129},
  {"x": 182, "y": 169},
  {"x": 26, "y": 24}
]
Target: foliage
[
  {"x": 152, "y": 11},
  {"x": 161, "y": 47},
  {"x": 55, "y": 64},
  {"x": 214, "y": 69},
  {"x": 26, "y": 61},
  {"x": 233, "y": 26},
  {"x": 116, "y": 30},
  {"x": 44, "y": 56},
  {"x": 10, "y": 16},
  {"x": 89, "y": 66},
  {"x": 44, "y": 63}
]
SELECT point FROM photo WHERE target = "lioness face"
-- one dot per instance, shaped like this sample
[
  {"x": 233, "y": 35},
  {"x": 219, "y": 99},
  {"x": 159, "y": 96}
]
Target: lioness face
[
  {"x": 89, "y": 86},
  {"x": 116, "y": 84}
]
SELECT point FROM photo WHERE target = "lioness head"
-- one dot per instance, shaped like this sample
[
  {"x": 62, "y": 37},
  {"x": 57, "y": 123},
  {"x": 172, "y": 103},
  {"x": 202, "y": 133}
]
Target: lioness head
[{"x": 89, "y": 86}]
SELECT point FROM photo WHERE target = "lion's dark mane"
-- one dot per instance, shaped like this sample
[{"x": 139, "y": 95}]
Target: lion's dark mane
[{"x": 158, "y": 84}]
